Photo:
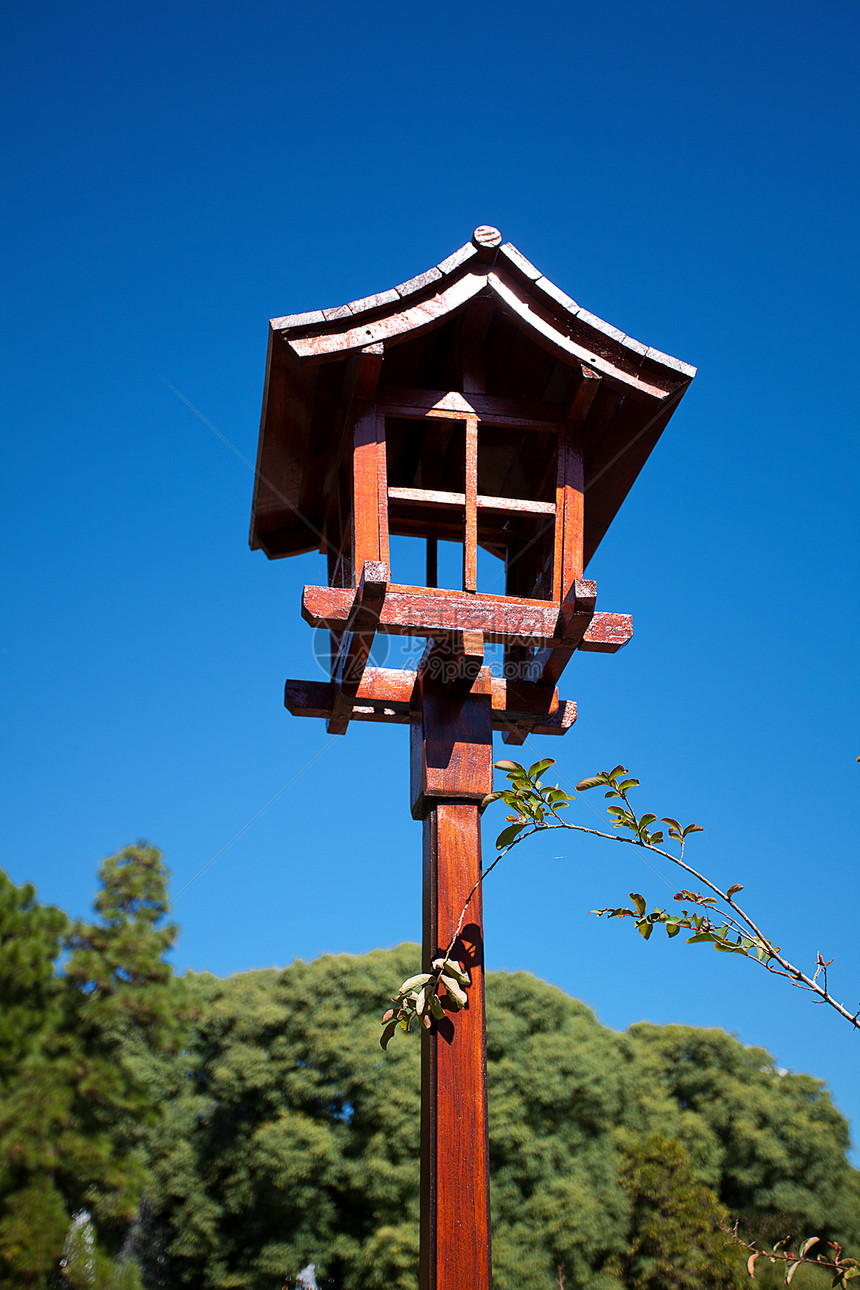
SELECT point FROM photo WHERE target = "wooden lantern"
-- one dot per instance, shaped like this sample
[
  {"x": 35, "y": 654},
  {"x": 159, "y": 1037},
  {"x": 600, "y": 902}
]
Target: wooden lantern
[{"x": 477, "y": 404}]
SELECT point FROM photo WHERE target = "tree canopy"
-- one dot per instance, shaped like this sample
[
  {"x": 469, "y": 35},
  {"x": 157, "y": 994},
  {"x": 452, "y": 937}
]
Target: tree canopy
[
  {"x": 291, "y": 1138},
  {"x": 223, "y": 1134}
]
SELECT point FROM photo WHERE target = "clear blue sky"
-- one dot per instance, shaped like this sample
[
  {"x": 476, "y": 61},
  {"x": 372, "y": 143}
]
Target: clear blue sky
[{"x": 177, "y": 174}]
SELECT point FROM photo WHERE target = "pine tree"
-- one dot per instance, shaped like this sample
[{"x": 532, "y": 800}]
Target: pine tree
[
  {"x": 33, "y": 1214},
  {"x": 74, "y": 1100},
  {"x": 126, "y": 1007}
]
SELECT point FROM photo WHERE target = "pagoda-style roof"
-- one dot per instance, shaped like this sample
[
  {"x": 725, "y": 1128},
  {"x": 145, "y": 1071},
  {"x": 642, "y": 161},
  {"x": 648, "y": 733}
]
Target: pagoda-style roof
[{"x": 484, "y": 321}]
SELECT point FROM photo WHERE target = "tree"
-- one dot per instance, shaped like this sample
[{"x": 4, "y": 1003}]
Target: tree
[
  {"x": 677, "y": 1237},
  {"x": 74, "y": 1101},
  {"x": 290, "y": 1140},
  {"x": 33, "y": 1215}
]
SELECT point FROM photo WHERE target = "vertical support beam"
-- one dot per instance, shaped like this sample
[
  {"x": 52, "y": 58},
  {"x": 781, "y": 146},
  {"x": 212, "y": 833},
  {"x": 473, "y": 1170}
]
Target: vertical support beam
[
  {"x": 369, "y": 489},
  {"x": 470, "y": 543},
  {"x": 569, "y": 513},
  {"x": 568, "y": 559},
  {"x": 451, "y": 771}
]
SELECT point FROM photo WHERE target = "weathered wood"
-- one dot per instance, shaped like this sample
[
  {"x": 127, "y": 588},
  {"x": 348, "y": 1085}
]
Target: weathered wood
[
  {"x": 572, "y": 512},
  {"x": 412, "y": 318},
  {"x": 437, "y": 497},
  {"x": 414, "y": 611},
  {"x": 370, "y": 488},
  {"x": 356, "y": 643},
  {"x": 385, "y": 694},
  {"x": 607, "y": 633},
  {"x": 574, "y": 620},
  {"x": 455, "y": 1250},
  {"x": 456, "y": 661},
  {"x": 360, "y": 379},
  {"x": 470, "y": 543}
]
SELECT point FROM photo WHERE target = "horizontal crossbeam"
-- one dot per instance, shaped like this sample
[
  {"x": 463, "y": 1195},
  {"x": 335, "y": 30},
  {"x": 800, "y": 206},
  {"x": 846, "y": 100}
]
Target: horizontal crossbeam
[
  {"x": 386, "y": 694},
  {"x": 412, "y": 611}
]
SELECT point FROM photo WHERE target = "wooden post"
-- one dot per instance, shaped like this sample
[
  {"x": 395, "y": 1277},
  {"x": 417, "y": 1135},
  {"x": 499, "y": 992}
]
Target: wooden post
[{"x": 451, "y": 771}]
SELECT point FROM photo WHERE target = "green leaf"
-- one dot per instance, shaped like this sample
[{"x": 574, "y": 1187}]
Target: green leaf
[
  {"x": 648, "y": 818},
  {"x": 791, "y": 1271},
  {"x": 385, "y": 1037},
  {"x": 490, "y": 798},
  {"x": 508, "y": 765},
  {"x": 627, "y": 784},
  {"x": 699, "y": 936},
  {"x": 672, "y": 929},
  {"x": 538, "y": 767},
  {"x": 638, "y": 901},
  {"x": 436, "y": 1008},
  {"x": 593, "y": 781},
  {"x": 808, "y": 1244},
  {"x": 459, "y": 996},
  {"x": 507, "y": 835},
  {"x": 693, "y": 828},
  {"x": 412, "y": 981},
  {"x": 673, "y": 824},
  {"x": 645, "y": 929},
  {"x": 735, "y": 887},
  {"x": 457, "y": 971},
  {"x": 619, "y": 770}
]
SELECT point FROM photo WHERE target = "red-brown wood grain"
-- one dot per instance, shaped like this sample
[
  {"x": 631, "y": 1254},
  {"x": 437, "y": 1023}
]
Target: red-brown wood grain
[
  {"x": 470, "y": 544},
  {"x": 355, "y": 645},
  {"x": 420, "y": 611},
  {"x": 455, "y": 1194}
]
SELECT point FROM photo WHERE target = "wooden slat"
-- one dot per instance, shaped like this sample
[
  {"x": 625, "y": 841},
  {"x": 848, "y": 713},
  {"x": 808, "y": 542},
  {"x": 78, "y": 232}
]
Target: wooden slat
[
  {"x": 470, "y": 543},
  {"x": 486, "y": 501}
]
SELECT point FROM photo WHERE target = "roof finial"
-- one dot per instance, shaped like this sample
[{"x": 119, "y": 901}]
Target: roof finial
[{"x": 486, "y": 236}]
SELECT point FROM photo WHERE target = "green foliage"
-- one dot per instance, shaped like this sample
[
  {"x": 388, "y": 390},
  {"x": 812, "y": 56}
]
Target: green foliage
[
  {"x": 677, "y": 1224},
  {"x": 290, "y": 1139},
  {"x": 723, "y": 923},
  {"x": 73, "y": 1106}
]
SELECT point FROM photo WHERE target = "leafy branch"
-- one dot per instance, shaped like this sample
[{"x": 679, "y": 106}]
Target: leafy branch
[
  {"x": 843, "y": 1269},
  {"x": 535, "y": 807}
]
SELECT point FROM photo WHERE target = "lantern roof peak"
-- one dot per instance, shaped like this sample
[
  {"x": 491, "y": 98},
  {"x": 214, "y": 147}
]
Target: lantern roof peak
[
  {"x": 482, "y": 333},
  {"x": 483, "y": 265}
]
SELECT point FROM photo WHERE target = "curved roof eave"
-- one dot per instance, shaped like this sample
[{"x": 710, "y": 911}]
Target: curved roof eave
[{"x": 556, "y": 321}]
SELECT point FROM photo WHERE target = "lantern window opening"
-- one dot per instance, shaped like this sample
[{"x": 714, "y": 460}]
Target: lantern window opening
[{"x": 449, "y": 472}]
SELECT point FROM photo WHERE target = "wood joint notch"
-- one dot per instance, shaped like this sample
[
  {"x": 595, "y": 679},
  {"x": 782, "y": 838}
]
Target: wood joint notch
[
  {"x": 355, "y": 646},
  {"x": 574, "y": 620},
  {"x": 456, "y": 660}
]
